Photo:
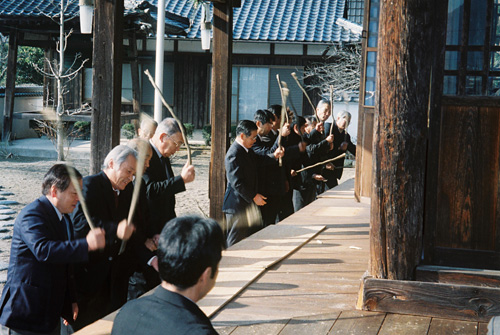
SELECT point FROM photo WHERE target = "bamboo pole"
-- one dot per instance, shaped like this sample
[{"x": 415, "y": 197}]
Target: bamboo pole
[
  {"x": 321, "y": 163},
  {"x": 157, "y": 89},
  {"x": 294, "y": 75}
]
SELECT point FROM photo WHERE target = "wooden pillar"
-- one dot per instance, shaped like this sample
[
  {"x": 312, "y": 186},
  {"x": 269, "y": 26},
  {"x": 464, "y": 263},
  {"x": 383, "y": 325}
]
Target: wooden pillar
[
  {"x": 107, "y": 80},
  {"x": 399, "y": 149},
  {"x": 134, "y": 72},
  {"x": 10, "y": 87},
  {"x": 221, "y": 102}
]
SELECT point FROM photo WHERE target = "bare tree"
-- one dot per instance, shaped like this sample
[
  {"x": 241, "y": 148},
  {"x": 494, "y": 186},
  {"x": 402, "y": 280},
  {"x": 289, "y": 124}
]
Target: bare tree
[
  {"x": 57, "y": 71},
  {"x": 4, "y": 51},
  {"x": 341, "y": 69}
]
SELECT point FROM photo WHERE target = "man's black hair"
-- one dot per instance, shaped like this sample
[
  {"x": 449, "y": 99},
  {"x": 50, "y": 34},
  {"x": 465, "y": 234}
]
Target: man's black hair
[
  {"x": 188, "y": 245},
  {"x": 245, "y": 127},
  {"x": 276, "y": 110},
  {"x": 58, "y": 175},
  {"x": 262, "y": 116},
  {"x": 311, "y": 118},
  {"x": 298, "y": 121}
]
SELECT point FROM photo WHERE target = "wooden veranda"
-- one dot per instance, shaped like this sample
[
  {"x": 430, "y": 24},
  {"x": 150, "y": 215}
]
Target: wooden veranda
[{"x": 302, "y": 276}]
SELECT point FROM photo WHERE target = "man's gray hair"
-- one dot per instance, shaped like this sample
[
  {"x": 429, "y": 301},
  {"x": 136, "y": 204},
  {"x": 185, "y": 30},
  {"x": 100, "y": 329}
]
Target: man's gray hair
[
  {"x": 168, "y": 126},
  {"x": 119, "y": 154},
  {"x": 344, "y": 114},
  {"x": 323, "y": 102}
]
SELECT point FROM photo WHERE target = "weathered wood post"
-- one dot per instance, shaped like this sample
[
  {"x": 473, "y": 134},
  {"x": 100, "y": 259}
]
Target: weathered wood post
[
  {"x": 10, "y": 87},
  {"x": 221, "y": 102},
  {"x": 399, "y": 150},
  {"x": 107, "y": 80}
]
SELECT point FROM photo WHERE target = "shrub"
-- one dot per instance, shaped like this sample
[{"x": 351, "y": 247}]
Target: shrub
[
  {"x": 128, "y": 130},
  {"x": 83, "y": 129},
  {"x": 189, "y": 128}
]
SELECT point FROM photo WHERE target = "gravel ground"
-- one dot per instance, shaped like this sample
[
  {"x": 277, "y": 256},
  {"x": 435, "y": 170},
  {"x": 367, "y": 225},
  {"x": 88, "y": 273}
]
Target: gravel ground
[{"x": 21, "y": 178}]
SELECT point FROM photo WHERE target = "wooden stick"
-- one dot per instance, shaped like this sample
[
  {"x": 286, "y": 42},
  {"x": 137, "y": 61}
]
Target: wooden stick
[
  {"x": 81, "y": 199},
  {"x": 321, "y": 163},
  {"x": 173, "y": 115},
  {"x": 294, "y": 75},
  {"x": 331, "y": 108},
  {"x": 283, "y": 110},
  {"x": 139, "y": 172}
]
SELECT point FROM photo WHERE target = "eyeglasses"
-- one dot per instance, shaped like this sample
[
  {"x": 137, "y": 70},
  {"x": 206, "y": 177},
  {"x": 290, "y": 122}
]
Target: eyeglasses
[{"x": 177, "y": 144}]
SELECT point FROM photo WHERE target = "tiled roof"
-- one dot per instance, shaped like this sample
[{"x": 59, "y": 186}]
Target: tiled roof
[
  {"x": 311, "y": 21},
  {"x": 277, "y": 20}
]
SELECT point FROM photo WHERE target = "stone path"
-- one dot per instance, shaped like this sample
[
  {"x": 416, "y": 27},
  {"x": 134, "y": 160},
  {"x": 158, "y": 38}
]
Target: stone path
[{"x": 7, "y": 218}]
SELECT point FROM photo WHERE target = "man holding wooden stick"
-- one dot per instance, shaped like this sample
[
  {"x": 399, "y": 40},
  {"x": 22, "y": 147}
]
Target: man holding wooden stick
[
  {"x": 102, "y": 282},
  {"x": 342, "y": 143},
  {"x": 161, "y": 183},
  {"x": 40, "y": 285}
]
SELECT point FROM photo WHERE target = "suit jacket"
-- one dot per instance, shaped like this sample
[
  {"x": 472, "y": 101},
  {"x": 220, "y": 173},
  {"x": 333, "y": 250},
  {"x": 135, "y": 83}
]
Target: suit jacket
[
  {"x": 339, "y": 138},
  {"x": 163, "y": 312},
  {"x": 161, "y": 187},
  {"x": 242, "y": 180},
  {"x": 105, "y": 269},
  {"x": 40, "y": 287}
]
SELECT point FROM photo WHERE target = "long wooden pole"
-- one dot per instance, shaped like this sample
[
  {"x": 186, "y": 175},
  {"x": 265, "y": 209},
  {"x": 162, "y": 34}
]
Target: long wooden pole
[
  {"x": 294, "y": 75},
  {"x": 321, "y": 163},
  {"x": 184, "y": 137},
  {"x": 139, "y": 171},
  {"x": 81, "y": 199},
  {"x": 284, "y": 96}
]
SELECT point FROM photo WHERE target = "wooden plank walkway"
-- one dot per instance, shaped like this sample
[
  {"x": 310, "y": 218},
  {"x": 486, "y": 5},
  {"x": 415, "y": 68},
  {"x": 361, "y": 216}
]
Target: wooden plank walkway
[{"x": 302, "y": 276}]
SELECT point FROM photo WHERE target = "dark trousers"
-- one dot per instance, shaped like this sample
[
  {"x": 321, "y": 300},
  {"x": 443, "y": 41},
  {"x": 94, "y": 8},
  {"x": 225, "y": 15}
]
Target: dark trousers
[
  {"x": 270, "y": 210},
  {"x": 286, "y": 205},
  {"x": 241, "y": 225},
  {"x": 304, "y": 196}
]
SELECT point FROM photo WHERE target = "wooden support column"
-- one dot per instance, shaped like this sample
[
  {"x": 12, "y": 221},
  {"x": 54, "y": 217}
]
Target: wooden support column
[
  {"x": 399, "y": 149},
  {"x": 134, "y": 71},
  {"x": 221, "y": 102},
  {"x": 107, "y": 80},
  {"x": 10, "y": 87}
]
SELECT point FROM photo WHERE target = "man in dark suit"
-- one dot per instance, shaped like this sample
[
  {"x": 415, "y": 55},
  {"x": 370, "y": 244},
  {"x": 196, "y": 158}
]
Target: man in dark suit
[
  {"x": 161, "y": 183},
  {"x": 242, "y": 181},
  {"x": 189, "y": 252},
  {"x": 40, "y": 284},
  {"x": 342, "y": 143},
  {"x": 102, "y": 282}
]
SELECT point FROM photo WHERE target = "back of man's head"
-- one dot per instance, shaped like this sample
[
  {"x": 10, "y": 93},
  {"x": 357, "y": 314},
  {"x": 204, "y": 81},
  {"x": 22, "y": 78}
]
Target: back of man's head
[
  {"x": 188, "y": 245},
  {"x": 245, "y": 127},
  {"x": 58, "y": 175}
]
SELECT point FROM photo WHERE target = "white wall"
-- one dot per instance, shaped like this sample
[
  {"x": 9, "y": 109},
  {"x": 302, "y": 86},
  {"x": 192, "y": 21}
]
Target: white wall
[
  {"x": 20, "y": 127},
  {"x": 351, "y": 107}
]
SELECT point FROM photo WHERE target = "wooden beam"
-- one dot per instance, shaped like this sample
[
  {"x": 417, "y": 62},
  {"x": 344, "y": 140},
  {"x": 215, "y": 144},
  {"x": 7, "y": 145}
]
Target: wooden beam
[
  {"x": 10, "y": 87},
  {"x": 221, "y": 103},
  {"x": 399, "y": 161},
  {"x": 459, "y": 276},
  {"x": 460, "y": 302},
  {"x": 107, "y": 80}
]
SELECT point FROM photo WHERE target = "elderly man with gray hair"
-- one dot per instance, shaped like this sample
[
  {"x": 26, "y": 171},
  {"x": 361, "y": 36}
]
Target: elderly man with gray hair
[
  {"x": 102, "y": 282},
  {"x": 161, "y": 183},
  {"x": 341, "y": 143}
]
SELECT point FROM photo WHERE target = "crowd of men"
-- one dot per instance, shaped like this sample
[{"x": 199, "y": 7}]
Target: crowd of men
[
  {"x": 268, "y": 166},
  {"x": 73, "y": 262}
]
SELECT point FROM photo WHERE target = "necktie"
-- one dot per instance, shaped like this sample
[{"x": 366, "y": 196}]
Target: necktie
[
  {"x": 66, "y": 224},
  {"x": 115, "y": 193}
]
